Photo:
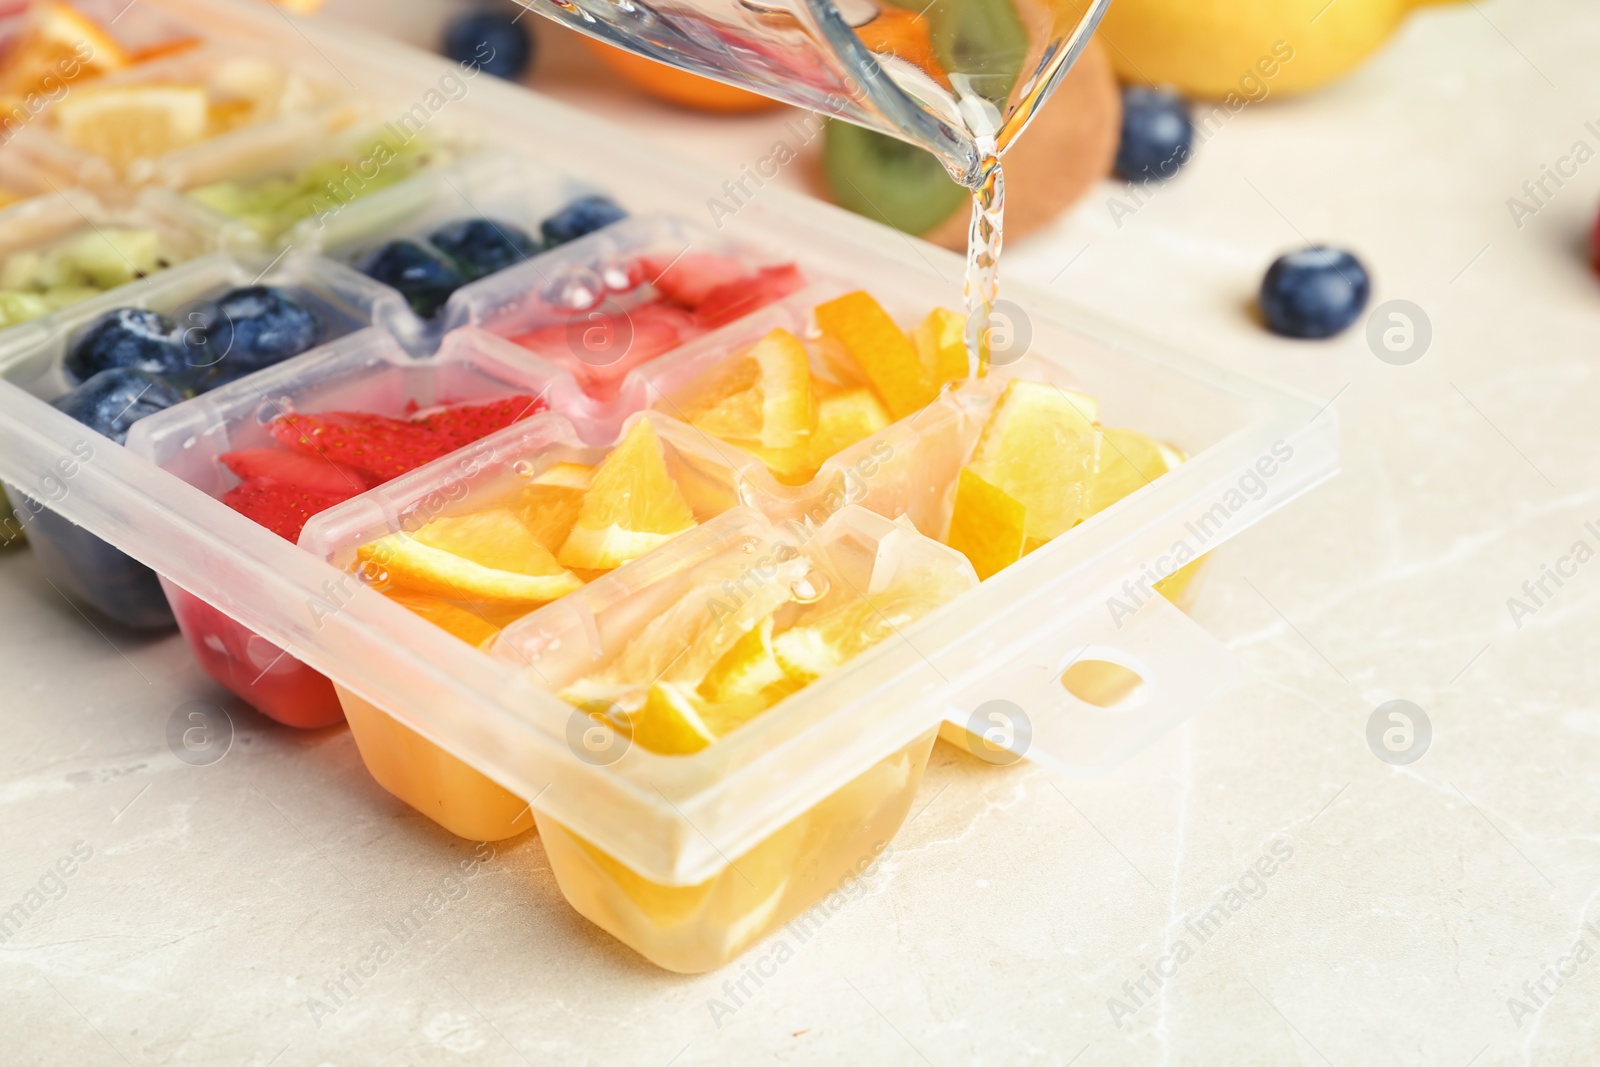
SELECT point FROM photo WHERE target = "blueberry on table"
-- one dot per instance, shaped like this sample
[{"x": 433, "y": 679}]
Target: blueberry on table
[
  {"x": 113, "y": 400},
  {"x": 482, "y": 246},
  {"x": 1157, "y": 135},
  {"x": 248, "y": 329},
  {"x": 1314, "y": 293},
  {"x": 130, "y": 338},
  {"x": 493, "y": 41},
  {"x": 583, "y": 216},
  {"x": 424, "y": 277}
]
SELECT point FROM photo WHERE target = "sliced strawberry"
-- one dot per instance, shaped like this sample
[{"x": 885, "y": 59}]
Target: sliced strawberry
[
  {"x": 736, "y": 299},
  {"x": 641, "y": 333},
  {"x": 461, "y": 424},
  {"x": 283, "y": 509},
  {"x": 316, "y": 474},
  {"x": 688, "y": 279}
]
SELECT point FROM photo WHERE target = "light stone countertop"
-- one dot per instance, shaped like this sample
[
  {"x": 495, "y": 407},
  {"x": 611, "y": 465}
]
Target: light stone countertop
[{"x": 1406, "y": 904}]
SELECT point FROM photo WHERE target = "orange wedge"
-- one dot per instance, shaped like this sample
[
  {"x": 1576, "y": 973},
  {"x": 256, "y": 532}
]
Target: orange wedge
[
  {"x": 844, "y": 418},
  {"x": 763, "y": 396},
  {"x": 941, "y": 344},
  {"x": 632, "y": 505},
  {"x": 669, "y": 723},
  {"x": 987, "y": 525},
  {"x": 473, "y": 628},
  {"x": 130, "y": 122},
  {"x": 487, "y": 555},
  {"x": 857, "y": 325},
  {"x": 549, "y": 505},
  {"x": 745, "y": 670},
  {"x": 59, "y": 43},
  {"x": 1038, "y": 447}
]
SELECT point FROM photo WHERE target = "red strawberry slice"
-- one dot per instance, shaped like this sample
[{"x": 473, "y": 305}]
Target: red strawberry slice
[
  {"x": 458, "y": 425},
  {"x": 283, "y": 509},
  {"x": 688, "y": 279},
  {"x": 736, "y": 299},
  {"x": 603, "y": 343},
  {"x": 316, "y": 474}
]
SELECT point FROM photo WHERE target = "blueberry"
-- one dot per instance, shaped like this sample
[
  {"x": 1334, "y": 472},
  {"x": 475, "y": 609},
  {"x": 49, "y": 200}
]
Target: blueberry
[
  {"x": 425, "y": 278},
  {"x": 483, "y": 246},
  {"x": 113, "y": 400},
  {"x": 493, "y": 41},
  {"x": 245, "y": 330},
  {"x": 584, "y": 215},
  {"x": 1157, "y": 136},
  {"x": 132, "y": 338},
  {"x": 1314, "y": 293}
]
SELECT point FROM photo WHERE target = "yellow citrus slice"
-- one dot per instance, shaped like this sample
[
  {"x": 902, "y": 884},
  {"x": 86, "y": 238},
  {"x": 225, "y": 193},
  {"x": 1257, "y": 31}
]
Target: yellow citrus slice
[
  {"x": 1125, "y": 461},
  {"x": 857, "y": 324},
  {"x": 632, "y": 506},
  {"x": 488, "y": 555},
  {"x": 132, "y": 122},
  {"x": 941, "y": 344},
  {"x": 847, "y": 624},
  {"x": 549, "y": 505},
  {"x": 669, "y": 723},
  {"x": 745, "y": 669},
  {"x": 1038, "y": 448},
  {"x": 763, "y": 396},
  {"x": 844, "y": 418},
  {"x": 59, "y": 42},
  {"x": 987, "y": 525}
]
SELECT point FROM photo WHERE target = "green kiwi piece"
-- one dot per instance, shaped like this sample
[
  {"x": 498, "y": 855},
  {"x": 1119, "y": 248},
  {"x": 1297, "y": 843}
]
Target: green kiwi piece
[{"x": 886, "y": 179}]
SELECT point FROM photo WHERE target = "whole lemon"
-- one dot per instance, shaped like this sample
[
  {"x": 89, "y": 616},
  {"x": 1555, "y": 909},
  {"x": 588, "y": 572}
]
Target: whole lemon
[{"x": 1251, "y": 48}]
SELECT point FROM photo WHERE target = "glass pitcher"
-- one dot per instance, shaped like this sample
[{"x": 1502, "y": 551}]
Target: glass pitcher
[{"x": 961, "y": 78}]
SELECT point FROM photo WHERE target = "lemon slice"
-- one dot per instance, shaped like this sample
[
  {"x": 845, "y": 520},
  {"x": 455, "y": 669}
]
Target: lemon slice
[
  {"x": 1125, "y": 461},
  {"x": 843, "y": 419},
  {"x": 987, "y": 524},
  {"x": 488, "y": 555},
  {"x": 669, "y": 723},
  {"x": 746, "y": 669},
  {"x": 132, "y": 122},
  {"x": 569, "y": 475},
  {"x": 941, "y": 344},
  {"x": 1038, "y": 447},
  {"x": 763, "y": 396},
  {"x": 631, "y": 506},
  {"x": 859, "y": 326}
]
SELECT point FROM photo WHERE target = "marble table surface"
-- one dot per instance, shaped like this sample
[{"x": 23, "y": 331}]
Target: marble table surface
[{"x": 1440, "y": 912}]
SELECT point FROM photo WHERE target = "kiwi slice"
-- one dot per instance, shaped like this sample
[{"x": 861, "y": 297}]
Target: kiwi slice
[
  {"x": 982, "y": 39},
  {"x": 886, "y": 179}
]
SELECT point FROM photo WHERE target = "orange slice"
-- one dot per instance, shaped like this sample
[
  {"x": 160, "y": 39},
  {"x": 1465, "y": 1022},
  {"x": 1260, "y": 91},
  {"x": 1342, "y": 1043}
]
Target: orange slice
[
  {"x": 471, "y": 627},
  {"x": 745, "y": 670},
  {"x": 488, "y": 555},
  {"x": 549, "y": 505},
  {"x": 987, "y": 525},
  {"x": 632, "y": 505},
  {"x": 941, "y": 344},
  {"x": 60, "y": 43},
  {"x": 763, "y": 396},
  {"x": 669, "y": 723},
  {"x": 132, "y": 122},
  {"x": 857, "y": 324},
  {"x": 1038, "y": 447},
  {"x": 843, "y": 419}
]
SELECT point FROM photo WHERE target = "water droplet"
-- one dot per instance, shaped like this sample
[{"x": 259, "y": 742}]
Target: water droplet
[
  {"x": 617, "y": 277},
  {"x": 373, "y": 575},
  {"x": 523, "y": 468},
  {"x": 579, "y": 289},
  {"x": 810, "y": 588}
]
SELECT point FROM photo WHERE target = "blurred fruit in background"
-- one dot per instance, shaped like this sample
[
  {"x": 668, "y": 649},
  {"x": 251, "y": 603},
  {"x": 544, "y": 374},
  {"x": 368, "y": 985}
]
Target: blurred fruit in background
[
  {"x": 1068, "y": 147},
  {"x": 495, "y": 40},
  {"x": 1210, "y": 48},
  {"x": 1157, "y": 134},
  {"x": 677, "y": 86}
]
